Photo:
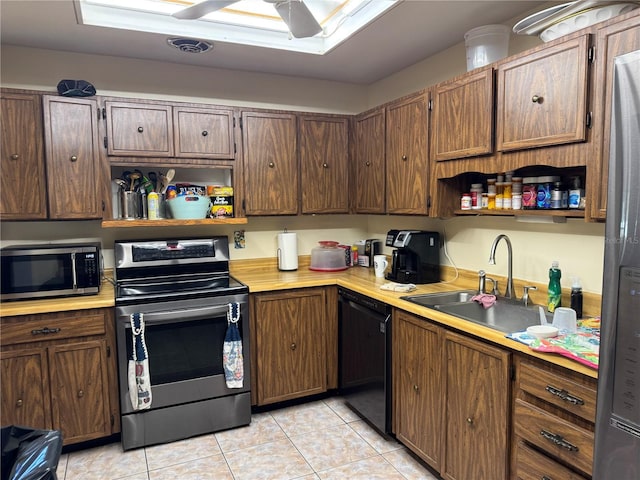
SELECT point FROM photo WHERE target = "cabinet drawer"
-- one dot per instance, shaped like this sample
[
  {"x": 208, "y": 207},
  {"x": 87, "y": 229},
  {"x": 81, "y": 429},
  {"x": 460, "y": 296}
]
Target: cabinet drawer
[
  {"x": 560, "y": 391},
  {"x": 554, "y": 435},
  {"x": 52, "y": 327},
  {"x": 532, "y": 465}
]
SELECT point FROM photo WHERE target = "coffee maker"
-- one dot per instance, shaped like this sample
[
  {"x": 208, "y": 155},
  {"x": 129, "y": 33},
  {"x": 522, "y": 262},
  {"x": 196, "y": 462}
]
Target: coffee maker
[{"x": 416, "y": 258}]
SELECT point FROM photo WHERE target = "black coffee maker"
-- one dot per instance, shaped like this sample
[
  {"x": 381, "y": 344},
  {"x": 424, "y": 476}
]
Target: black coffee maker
[{"x": 416, "y": 258}]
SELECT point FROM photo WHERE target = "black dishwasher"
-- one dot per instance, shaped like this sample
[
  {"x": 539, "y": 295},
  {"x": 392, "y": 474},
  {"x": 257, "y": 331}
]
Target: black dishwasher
[{"x": 365, "y": 357}]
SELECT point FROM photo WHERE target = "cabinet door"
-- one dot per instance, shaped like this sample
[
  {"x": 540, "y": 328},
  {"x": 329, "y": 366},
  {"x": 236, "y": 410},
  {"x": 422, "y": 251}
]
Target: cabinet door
[
  {"x": 73, "y": 157},
  {"x": 611, "y": 41},
  {"x": 324, "y": 167},
  {"x": 23, "y": 187},
  {"x": 462, "y": 121},
  {"x": 139, "y": 129},
  {"x": 418, "y": 379},
  {"x": 477, "y": 396},
  {"x": 270, "y": 163},
  {"x": 203, "y": 132},
  {"x": 79, "y": 390},
  {"x": 25, "y": 388},
  {"x": 407, "y": 156},
  {"x": 368, "y": 166},
  {"x": 290, "y": 344},
  {"x": 542, "y": 97}
]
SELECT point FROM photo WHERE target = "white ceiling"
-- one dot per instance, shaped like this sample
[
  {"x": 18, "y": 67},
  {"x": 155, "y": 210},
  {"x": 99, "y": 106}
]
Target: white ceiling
[{"x": 410, "y": 32}]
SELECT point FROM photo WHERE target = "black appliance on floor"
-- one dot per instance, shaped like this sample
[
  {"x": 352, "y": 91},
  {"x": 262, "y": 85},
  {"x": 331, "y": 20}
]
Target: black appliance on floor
[
  {"x": 184, "y": 291},
  {"x": 365, "y": 357},
  {"x": 416, "y": 258}
]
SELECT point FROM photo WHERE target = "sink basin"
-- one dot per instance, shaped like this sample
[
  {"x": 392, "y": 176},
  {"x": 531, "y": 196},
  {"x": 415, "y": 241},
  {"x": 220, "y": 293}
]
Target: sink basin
[
  {"x": 441, "y": 298},
  {"x": 505, "y": 315}
]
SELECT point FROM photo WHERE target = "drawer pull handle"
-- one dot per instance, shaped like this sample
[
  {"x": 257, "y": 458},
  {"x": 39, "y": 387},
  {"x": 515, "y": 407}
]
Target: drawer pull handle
[
  {"x": 140, "y": 130},
  {"x": 45, "y": 331},
  {"x": 559, "y": 441},
  {"x": 293, "y": 346},
  {"x": 416, "y": 388},
  {"x": 19, "y": 403},
  {"x": 564, "y": 395},
  {"x": 544, "y": 477},
  {"x": 80, "y": 393},
  {"x": 205, "y": 133}
]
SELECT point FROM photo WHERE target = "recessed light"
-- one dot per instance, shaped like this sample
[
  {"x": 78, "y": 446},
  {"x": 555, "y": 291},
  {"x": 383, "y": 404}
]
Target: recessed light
[{"x": 190, "y": 45}]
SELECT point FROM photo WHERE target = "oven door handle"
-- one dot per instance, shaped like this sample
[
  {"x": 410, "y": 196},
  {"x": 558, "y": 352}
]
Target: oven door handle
[{"x": 184, "y": 314}]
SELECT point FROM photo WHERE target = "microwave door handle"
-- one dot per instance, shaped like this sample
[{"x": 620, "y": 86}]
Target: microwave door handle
[{"x": 74, "y": 274}]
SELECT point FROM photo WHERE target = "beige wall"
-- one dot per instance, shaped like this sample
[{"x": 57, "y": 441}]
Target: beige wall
[{"x": 577, "y": 245}]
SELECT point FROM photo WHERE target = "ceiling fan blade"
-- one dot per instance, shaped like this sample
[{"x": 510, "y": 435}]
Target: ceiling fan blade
[
  {"x": 201, "y": 9},
  {"x": 298, "y": 18}
]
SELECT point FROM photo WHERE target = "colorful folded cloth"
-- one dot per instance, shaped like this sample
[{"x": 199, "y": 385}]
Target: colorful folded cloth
[
  {"x": 398, "y": 287},
  {"x": 138, "y": 377},
  {"x": 485, "y": 299}
]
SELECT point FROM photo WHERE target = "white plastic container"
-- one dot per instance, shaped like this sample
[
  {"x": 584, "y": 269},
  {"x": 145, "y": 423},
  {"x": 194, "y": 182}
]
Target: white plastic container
[{"x": 486, "y": 45}]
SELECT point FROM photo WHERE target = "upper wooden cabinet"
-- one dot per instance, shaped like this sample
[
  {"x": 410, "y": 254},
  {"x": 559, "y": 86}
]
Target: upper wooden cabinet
[
  {"x": 462, "y": 116},
  {"x": 139, "y": 129},
  {"x": 542, "y": 97},
  {"x": 611, "y": 41},
  {"x": 324, "y": 163},
  {"x": 72, "y": 157},
  {"x": 23, "y": 194},
  {"x": 407, "y": 155},
  {"x": 270, "y": 163},
  {"x": 203, "y": 132},
  {"x": 368, "y": 165}
]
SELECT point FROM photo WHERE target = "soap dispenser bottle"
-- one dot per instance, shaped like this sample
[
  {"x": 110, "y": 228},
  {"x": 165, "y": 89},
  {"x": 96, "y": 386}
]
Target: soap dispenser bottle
[
  {"x": 576, "y": 296},
  {"x": 554, "y": 290}
]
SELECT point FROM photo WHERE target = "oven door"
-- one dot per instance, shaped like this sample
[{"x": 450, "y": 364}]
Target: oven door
[{"x": 184, "y": 340}]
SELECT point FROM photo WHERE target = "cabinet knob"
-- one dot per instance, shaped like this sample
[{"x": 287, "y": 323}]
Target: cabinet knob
[
  {"x": 325, "y": 165},
  {"x": 15, "y": 156},
  {"x": 293, "y": 346},
  {"x": 205, "y": 133},
  {"x": 140, "y": 129},
  {"x": 271, "y": 164},
  {"x": 416, "y": 388},
  {"x": 536, "y": 99},
  {"x": 80, "y": 393},
  {"x": 73, "y": 158},
  {"x": 470, "y": 421},
  {"x": 368, "y": 164},
  {"x": 404, "y": 157},
  {"x": 19, "y": 403}
]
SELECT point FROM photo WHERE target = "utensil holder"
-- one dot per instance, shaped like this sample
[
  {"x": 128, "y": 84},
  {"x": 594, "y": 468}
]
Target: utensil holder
[{"x": 130, "y": 205}]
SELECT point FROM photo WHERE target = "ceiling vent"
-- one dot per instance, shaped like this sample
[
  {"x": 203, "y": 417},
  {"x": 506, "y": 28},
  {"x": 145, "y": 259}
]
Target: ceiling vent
[{"x": 190, "y": 45}]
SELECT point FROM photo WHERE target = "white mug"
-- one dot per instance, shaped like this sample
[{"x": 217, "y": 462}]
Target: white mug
[
  {"x": 565, "y": 319},
  {"x": 380, "y": 264}
]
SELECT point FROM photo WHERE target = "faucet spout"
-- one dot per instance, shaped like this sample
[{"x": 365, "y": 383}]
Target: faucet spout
[{"x": 492, "y": 261}]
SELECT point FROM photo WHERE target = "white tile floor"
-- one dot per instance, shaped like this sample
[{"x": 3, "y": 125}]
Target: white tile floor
[{"x": 323, "y": 439}]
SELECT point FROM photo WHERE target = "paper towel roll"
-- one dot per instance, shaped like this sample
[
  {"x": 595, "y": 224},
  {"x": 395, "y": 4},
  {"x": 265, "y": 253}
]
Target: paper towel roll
[{"x": 287, "y": 251}]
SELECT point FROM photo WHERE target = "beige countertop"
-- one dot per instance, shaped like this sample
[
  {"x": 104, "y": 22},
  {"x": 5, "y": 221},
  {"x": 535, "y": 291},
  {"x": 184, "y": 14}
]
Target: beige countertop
[{"x": 264, "y": 276}]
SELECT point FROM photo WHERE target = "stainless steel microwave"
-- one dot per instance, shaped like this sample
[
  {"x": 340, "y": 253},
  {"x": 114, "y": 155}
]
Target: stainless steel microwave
[{"x": 52, "y": 270}]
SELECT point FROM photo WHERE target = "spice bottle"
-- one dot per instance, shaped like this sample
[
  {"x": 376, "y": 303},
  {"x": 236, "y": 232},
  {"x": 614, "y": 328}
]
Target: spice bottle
[
  {"x": 476, "y": 196},
  {"x": 576, "y": 296},
  {"x": 554, "y": 290},
  {"x": 529, "y": 192},
  {"x": 465, "y": 202}
]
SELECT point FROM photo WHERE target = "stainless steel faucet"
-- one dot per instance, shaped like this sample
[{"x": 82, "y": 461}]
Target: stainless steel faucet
[{"x": 492, "y": 261}]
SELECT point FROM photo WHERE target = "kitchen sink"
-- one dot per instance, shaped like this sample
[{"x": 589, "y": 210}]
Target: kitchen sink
[{"x": 506, "y": 315}]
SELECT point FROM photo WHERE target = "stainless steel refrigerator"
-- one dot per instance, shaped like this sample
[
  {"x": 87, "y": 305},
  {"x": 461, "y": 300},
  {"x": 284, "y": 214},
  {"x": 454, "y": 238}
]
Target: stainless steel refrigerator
[{"x": 617, "y": 444}]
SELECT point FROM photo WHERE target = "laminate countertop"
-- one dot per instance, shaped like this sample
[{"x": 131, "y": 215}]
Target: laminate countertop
[{"x": 264, "y": 276}]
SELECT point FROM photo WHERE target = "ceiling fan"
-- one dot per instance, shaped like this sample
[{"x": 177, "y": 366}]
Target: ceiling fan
[{"x": 294, "y": 13}]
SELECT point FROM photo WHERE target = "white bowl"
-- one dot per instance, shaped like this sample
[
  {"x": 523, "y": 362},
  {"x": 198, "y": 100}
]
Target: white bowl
[{"x": 542, "y": 331}]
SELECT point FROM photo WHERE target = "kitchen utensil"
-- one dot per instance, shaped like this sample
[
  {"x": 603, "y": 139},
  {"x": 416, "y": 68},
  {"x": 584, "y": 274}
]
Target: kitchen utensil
[
  {"x": 542, "y": 331},
  {"x": 543, "y": 318},
  {"x": 133, "y": 176},
  {"x": 130, "y": 205},
  {"x": 328, "y": 257},
  {"x": 153, "y": 178},
  {"x": 167, "y": 179},
  {"x": 565, "y": 319}
]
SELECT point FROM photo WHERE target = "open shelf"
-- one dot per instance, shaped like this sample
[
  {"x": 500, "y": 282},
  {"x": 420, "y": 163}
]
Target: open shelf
[
  {"x": 536, "y": 213},
  {"x": 171, "y": 222}
]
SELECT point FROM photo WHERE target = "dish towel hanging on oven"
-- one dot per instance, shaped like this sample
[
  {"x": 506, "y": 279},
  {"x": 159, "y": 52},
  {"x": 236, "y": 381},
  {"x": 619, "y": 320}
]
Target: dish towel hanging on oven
[
  {"x": 232, "y": 358},
  {"x": 138, "y": 372}
]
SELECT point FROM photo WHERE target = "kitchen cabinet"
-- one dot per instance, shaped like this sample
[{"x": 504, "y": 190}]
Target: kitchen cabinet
[
  {"x": 203, "y": 132},
  {"x": 324, "y": 163},
  {"x": 554, "y": 414},
  {"x": 72, "y": 153},
  {"x": 289, "y": 344},
  {"x": 67, "y": 377},
  {"x": 407, "y": 155},
  {"x": 611, "y": 40},
  {"x": 542, "y": 97},
  {"x": 137, "y": 129},
  {"x": 23, "y": 188},
  {"x": 418, "y": 379},
  {"x": 368, "y": 165},
  {"x": 477, "y": 392},
  {"x": 270, "y": 163},
  {"x": 462, "y": 116}
]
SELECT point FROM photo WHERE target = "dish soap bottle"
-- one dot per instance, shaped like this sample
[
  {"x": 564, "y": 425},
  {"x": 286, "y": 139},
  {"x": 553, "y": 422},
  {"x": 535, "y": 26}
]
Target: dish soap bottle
[
  {"x": 576, "y": 296},
  {"x": 554, "y": 290}
]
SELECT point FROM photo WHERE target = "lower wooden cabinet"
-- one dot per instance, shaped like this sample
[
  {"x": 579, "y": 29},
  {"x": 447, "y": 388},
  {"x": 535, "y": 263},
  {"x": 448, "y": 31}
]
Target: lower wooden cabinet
[
  {"x": 58, "y": 372},
  {"x": 451, "y": 399},
  {"x": 290, "y": 337}
]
